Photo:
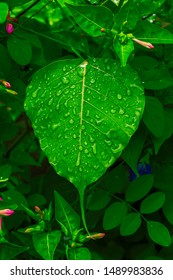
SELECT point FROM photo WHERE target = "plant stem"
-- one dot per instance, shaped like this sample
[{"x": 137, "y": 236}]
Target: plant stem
[{"x": 27, "y": 9}]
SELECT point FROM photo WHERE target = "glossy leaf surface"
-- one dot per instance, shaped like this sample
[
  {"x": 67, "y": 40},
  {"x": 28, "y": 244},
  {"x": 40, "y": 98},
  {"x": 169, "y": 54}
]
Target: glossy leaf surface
[
  {"x": 130, "y": 224},
  {"x": 84, "y": 113},
  {"x": 159, "y": 233}
]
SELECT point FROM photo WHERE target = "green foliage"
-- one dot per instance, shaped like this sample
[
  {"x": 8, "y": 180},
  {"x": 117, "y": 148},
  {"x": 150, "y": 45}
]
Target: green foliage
[{"x": 93, "y": 154}]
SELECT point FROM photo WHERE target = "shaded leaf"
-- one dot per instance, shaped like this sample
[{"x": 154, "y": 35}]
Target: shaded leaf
[
  {"x": 45, "y": 243},
  {"x": 92, "y": 18},
  {"x": 3, "y": 12},
  {"x": 130, "y": 224},
  {"x": 153, "y": 116},
  {"x": 114, "y": 215},
  {"x": 139, "y": 188},
  {"x": 159, "y": 233},
  {"x": 152, "y": 203},
  {"x": 9, "y": 251},
  {"x": 65, "y": 215},
  {"x": 81, "y": 253},
  {"x": 20, "y": 50}
]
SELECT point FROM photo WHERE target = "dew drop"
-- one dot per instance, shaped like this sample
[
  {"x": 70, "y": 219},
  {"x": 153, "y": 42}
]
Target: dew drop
[
  {"x": 80, "y": 71},
  {"x": 119, "y": 96},
  {"x": 70, "y": 169},
  {"x": 80, "y": 148},
  {"x": 78, "y": 160},
  {"x": 129, "y": 92},
  {"x": 86, "y": 151},
  {"x": 64, "y": 68},
  {"x": 94, "y": 149},
  {"x": 121, "y": 111},
  {"x": 92, "y": 81},
  {"x": 113, "y": 111},
  {"x": 65, "y": 80},
  {"x": 34, "y": 94},
  {"x": 91, "y": 139},
  {"x": 67, "y": 114},
  {"x": 83, "y": 127},
  {"x": 71, "y": 121},
  {"x": 50, "y": 102},
  {"x": 73, "y": 86},
  {"x": 96, "y": 167},
  {"x": 55, "y": 126},
  {"x": 108, "y": 142},
  {"x": 58, "y": 92},
  {"x": 65, "y": 153},
  {"x": 87, "y": 113}
]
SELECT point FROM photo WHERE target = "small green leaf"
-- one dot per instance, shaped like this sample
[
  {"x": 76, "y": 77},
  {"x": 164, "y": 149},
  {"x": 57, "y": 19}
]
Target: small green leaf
[
  {"x": 92, "y": 19},
  {"x": 114, "y": 215},
  {"x": 65, "y": 215},
  {"x": 139, "y": 188},
  {"x": 159, "y": 233},
  {"x": 79, "y": 253},
  {"x": 152, "y": 203},
  {"x": 152, "y": 33},
  {"x": 3, "y": 12},
  {"x": 153, "y": 116},
  {"x": 130, "y": 224},
  {"x": 123, "y": 50},
  {"x": 20, "y": 50},
  {"x": 98, "y": 200},
  {"x": 45, "y": 243}
]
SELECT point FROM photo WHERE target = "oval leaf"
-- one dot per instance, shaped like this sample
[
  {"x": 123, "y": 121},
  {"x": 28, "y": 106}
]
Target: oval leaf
[
  {"x": 159, "y": 233},
  {"x": 45, "y": 243},
  {"x": 152, "y": 203},
  {"x": 130, "y": 224},
  {"x": 139, "y": 188},
  {"x": 114, "y": 215},
  {"x": 84, "y": 113},
  {"x": 3, "y": 12},
  {"x": 20, "y": 50}
]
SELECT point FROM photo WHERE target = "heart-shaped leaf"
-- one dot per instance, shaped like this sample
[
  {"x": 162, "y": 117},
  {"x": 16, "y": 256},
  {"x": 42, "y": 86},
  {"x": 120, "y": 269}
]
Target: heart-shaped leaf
[{"x": 84, "y": 114}]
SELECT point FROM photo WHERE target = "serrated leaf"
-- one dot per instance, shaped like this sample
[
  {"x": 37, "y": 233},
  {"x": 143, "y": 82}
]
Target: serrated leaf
[
  {"x": 84, "y": 113},
  {"x": 159, "y": 233},
  {"x": 3, "y": 12},
  {"x": 130, "y": 224},
  {"x": 123, "y": 50},
  {"x": 139, "y": 188},
  {"x": 20, "y": 50},
  {"x": 152, "y": 203},
  {"x": 65, "y": 215},
  {"x": 153, "y": 116},
  {"x": 114, "y": 215},
  {"x": 81, "y": 253},
  {"x": 45, "y": 243},
  {"x": 92, "y": 19},
  {"x": 152, "y": 33}
]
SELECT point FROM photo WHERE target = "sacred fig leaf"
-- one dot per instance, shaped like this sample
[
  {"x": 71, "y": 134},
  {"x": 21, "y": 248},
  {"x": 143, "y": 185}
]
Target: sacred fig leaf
[{"x": 84, "y": 114}]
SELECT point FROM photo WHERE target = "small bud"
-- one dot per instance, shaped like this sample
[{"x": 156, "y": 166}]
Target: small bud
[
  {"x": 37, "y": 209},
  {"x": 5, "y": 83},
  {"x": 6, "y": 212},
  {"x": 9, "y": 28},
  {"x": 102, "y": 29},
  {"x": 144, "y": 44},
  {"x": 96, "y": 236},
  {"x": 33, "y": 229}
]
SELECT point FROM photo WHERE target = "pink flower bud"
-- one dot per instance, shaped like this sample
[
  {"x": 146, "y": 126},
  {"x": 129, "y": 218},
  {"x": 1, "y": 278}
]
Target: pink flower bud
[
  {"x": 6, "y": 212},
  {"x": 144, "y": 44},
  {"x": 9, "y": 28},
  {"x": 5, "y": 83},
  {"x": 96, "y": 236}
]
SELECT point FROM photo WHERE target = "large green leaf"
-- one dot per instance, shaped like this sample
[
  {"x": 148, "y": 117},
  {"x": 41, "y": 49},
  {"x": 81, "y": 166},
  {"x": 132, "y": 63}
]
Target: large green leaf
[
  {"x": 92, "y": 19},
  {"x": 84, "y": 114},
  {"x": 45, "y": 243},
  {"x": 152, "y": 203}
]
